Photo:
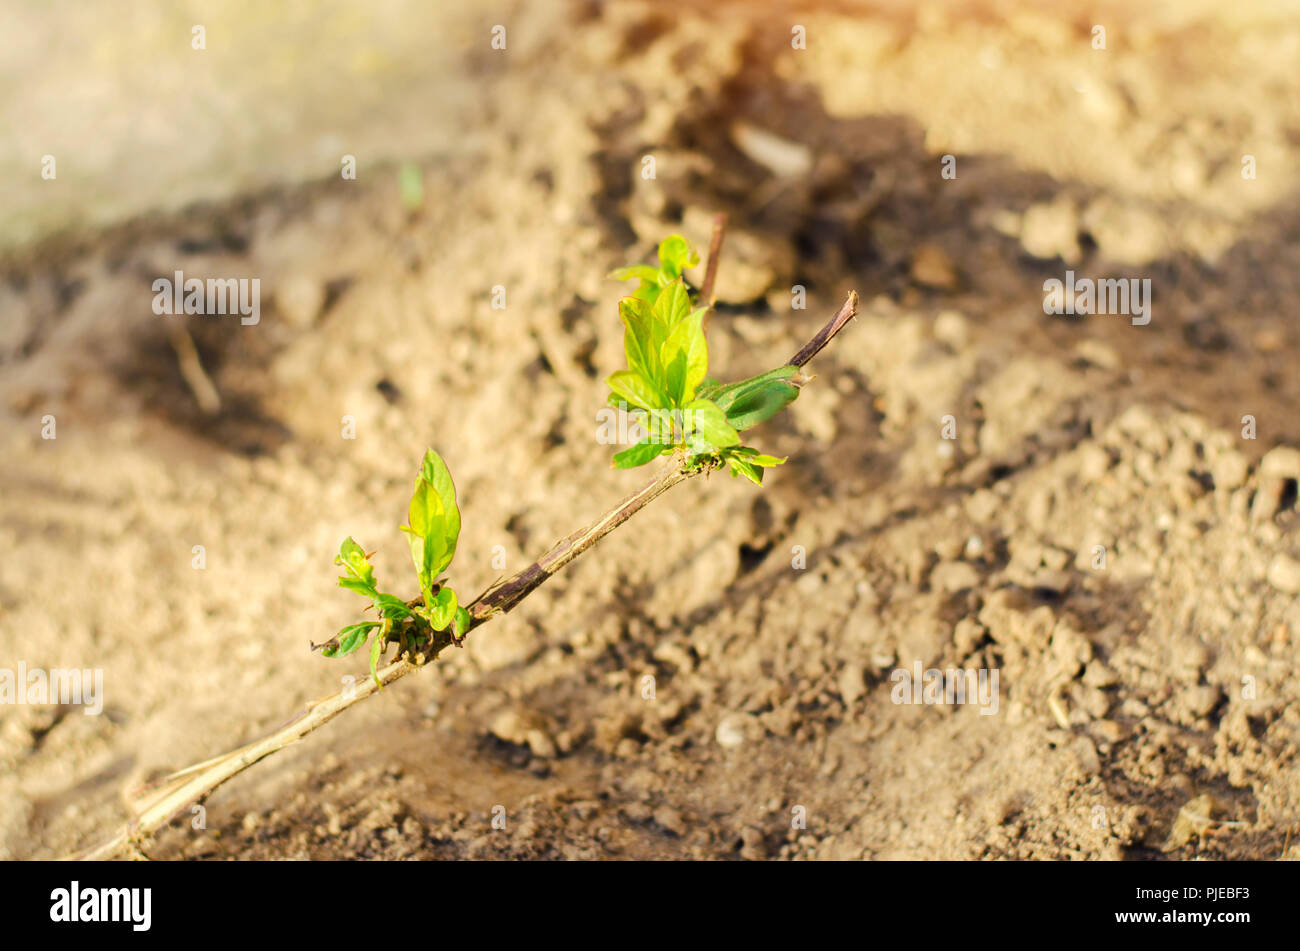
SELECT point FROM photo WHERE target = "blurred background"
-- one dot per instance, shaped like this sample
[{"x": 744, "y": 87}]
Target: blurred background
[{"x": 1104, "y": 513}]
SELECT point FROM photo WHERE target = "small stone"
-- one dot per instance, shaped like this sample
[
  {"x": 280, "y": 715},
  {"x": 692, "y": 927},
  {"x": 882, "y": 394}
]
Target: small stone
[
  {"x": 1281, "y": 462},
  {"x": 852, "y": 683},
  {"x": 1268, "y": 498},
  {"x": 1099, "y": 675},
  {"x": 1127, "y": 231},
  {"x": 541, "y": 745},
  {"x": 967, "y": 635},
  {"x": 1094, "y": 462},
  {"x": 1095, "y": 702},
  {"x": 523, "y": 728},
  {"x": 952, "y": 328},
  {"x": 1194, "y": 818},
  {"x": 733, "y": 730},
  {"x": 637, "y": 812},
  {"x": 1229, "y": 470},
  {"x": 1011, "y": 618},
  {"x": 1199, "y": 701},
  {"x": 1190, "y": 661},
  {"x": 300, "y": 299},
  {"x": 1055, "y": 558},
  {"x": 932, "y": 267},
  {"x": 668, "y": 818},
  {"x": 1284, "y": 574},
  {"x": 982, "y": 505},
  {"x": 1098, "y": 354},
  {"x": 627, "y": 748},
  {"x": 753, "y": 848},
  {"x": 1107, "y": 731},
  {"x": 1085, "y": 754},
  {"x": 951, "y": 576},
  {"x": 1051, "y": 230}
]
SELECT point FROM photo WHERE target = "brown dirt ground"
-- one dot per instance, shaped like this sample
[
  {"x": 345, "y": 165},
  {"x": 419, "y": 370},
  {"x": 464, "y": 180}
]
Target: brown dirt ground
[{"x": 1127, "y": 692}]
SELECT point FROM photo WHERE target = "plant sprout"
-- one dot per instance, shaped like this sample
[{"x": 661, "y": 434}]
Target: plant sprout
[
  {"x": 695, "y": 419},
  {"x": 666, "y": 388},
  {"x": 434, "y": 527}
]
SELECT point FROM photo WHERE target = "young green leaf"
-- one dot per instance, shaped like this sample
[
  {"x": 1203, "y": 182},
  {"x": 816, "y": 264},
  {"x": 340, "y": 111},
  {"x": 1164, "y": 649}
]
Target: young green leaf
[
  {"x": 638, "y": 338},
  {"x": 352, "y": 637},
  {"x": 637, "y": 272},
  {"x": 637, "y": 390},
  {"x": 392, "y": 607},
  {"x": 359, "y": 586},
  {"x": 686, "y": 358},
  {"x": 756, "y": 458},
  {"x": 740, "y": 467},
  {"x": 376, "y": 651},
  {"x": 442, "y": 609},
  {"x": 676, "y": 255},
  {"x": 637, "y": 455},
  {"x": 671, "y": 307},
  {"x": 726, "y": 395},
  {"x": 461, "y": 623},
  {"x": 759, "y": 403},
  {"x": 435, "y": 472},
  {"x": 426, "y": 533},
  {"x": 360, "y": 575},
  {"x": 710, "y": 425},
  {"x": 425, "y": 514}
]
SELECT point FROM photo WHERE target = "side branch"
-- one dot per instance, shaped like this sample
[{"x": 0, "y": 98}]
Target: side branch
[{"x": 156, "y": 805}]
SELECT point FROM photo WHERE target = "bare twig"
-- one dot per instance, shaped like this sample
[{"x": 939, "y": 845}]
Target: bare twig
[
  {"x": 711, "y": 266},
  {"x": 715, "y": 255},
  {"x": 191, "y": 367},
  {"x": 834, "y": 326},
  {"x": 156, "y": 805}
]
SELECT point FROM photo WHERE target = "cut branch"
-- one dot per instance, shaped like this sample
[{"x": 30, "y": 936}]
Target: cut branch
[
  {"x": 156, "y": 805},
  {"x": 825, "y": 335}
]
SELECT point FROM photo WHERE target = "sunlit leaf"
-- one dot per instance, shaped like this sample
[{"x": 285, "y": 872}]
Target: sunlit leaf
[
  {"x": 360, "y": 575},
  {"x": 686, "y": 359},
  {"x": 637, "y": 455},
  {"x": 726, "y": 395},
  {"x": 638, "y": 338},
  {"x": 637, "y": 390},
  {"x": 671, "y": 307},
  {"x": 710, "y": 424},
  {"x": 442, "y": 609},
  {"x": 435, "y": 472},
  {"x": 637, "y": 272},
  {"x": 740, "y": 467},
  {"x": 376, "y": 650},
  {"x": 760, "y": 403},
  {"x": 676, "y": 255},
  {"x": 353, "y": 636}
]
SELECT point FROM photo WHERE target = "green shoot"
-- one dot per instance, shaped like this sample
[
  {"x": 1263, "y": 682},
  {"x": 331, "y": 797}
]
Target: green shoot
[
  {"x": 434, "y": 526},
  {"x": 666, "y": 388}
]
